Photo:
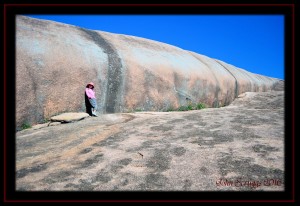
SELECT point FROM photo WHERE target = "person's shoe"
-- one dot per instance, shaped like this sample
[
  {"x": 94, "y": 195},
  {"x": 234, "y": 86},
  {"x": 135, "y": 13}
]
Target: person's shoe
[{"x": 94, "y": 113}]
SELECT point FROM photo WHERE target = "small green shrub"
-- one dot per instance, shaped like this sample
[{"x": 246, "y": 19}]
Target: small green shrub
[
  {"x": 25, "y": 126},
  {"x": 45, "y": 121},
  {"x": 190, "y": 107},
  {"x": 200, "y": 106},
  {"x": 171, "y": 109},
  {"x": 183, "y": 108}
]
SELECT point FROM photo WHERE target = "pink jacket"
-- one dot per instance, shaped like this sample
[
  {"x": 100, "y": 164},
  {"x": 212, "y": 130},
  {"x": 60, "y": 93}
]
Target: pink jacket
[{"x": 90, "y": 93}]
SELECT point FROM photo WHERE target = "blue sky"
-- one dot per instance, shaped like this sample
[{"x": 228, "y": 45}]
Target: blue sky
[{"x": 251, "y": 42}]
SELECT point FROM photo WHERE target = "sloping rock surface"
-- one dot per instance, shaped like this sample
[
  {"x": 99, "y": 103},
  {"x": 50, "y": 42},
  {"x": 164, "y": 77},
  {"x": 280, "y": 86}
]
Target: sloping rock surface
[
  {"x": 235, "y": 148},
  {"x": 55, "y": 61}
]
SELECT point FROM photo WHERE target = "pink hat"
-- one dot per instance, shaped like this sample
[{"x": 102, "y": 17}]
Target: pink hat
[{"x": 91, "y": 83}]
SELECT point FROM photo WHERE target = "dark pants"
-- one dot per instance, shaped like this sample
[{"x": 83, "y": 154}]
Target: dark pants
[{"x": 88, "y": 105}]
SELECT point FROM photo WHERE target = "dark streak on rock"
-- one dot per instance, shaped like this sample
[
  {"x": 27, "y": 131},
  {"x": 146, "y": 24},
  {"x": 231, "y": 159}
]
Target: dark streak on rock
[
  {"x": 178, "y": 151},
  {"x": 115, "y": 73},
  {"x": 23, "y": 172},
  {"x": 263, "y": 150},
  {"x": 162, "y": 128},
  {"x": 204, "y": 170},
  {"x": 58, "y": 177},
  {"x": 187, "y": 184},
  {"x": 154, "y": 181},
  {"x": 216, "y": 100},
  {"x": 244, "y": 167},
  {"x": 236, "y": 82},
  {"x": 102, "y": 177},
  {"x": 125, "y": 161},
  {"x": 86, "y": 150},
  {"x": 160, "y": 161},
  {"x": 92, "y": 160}
]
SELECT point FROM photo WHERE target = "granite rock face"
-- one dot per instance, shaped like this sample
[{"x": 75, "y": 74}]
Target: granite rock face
[{"x": 55, "y": 61}]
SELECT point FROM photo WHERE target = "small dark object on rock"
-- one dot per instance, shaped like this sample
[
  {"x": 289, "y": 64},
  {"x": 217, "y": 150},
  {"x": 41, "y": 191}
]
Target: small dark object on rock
[{"x": 141, "y": 154}]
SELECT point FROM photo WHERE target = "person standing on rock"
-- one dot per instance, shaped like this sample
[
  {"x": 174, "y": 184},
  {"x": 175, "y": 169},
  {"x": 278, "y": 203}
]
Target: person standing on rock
[{"x": 90, "y": 99}]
